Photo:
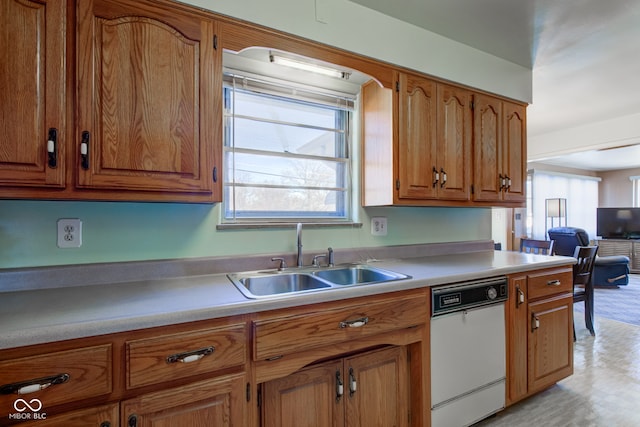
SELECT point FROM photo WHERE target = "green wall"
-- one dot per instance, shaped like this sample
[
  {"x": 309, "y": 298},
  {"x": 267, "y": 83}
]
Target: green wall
[{"x": 117, "y": 231}]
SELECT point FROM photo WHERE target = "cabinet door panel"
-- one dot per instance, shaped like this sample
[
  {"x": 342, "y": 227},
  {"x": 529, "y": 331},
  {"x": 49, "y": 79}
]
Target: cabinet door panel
[
  {"x": 307, "y": 398},
  {"x": 550, "y": 341},
  {"x": 514, "y": 150},
  {"x": 32, "y": 75},
  {"x": 215, "y": 402},
  {"x": 146, "y": 94},
  {"x": 454, "y": 142},
  {"x": 381, "y": 389},
  {"x": 487, "y": 160},
  {"x": 517, "y": 322},
  {"x": 99, "y": 416},
  {"x": 417, "y": 137}
]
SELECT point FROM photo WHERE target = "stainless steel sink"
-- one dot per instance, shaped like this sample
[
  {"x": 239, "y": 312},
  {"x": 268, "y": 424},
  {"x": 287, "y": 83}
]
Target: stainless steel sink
[
  {"x": 358, "y": 275},
  {"x": 264, "y": 284}
]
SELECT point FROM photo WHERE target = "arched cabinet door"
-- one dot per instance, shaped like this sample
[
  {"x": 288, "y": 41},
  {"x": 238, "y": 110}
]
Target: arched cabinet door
[
  {"x": 32, "y": 78},
  {"x": 417, "y": 137},
  {"x": 149, "y": 86}
]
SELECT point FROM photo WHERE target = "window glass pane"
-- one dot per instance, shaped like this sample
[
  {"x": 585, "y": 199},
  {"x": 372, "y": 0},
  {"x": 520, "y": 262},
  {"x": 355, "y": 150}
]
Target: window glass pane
[
  {"x": 279, "y": 202},
  {"x": 284, "y": 138},
  {"x": 274, "y": 170},
  {"x": 272, "y": 108},
  {"x": 278, "y": 157}
]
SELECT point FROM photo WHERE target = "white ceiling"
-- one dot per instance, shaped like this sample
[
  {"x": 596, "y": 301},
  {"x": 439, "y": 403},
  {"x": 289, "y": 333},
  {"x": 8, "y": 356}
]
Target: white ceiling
[{"x": 585, "y": 56}]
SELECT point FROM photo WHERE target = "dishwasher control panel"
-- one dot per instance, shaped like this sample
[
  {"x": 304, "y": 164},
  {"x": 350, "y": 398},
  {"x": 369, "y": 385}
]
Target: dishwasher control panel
[{"x": 467, "y": 295}]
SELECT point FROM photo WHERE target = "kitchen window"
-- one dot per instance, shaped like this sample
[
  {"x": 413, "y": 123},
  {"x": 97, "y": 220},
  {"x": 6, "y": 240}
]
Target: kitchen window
[{"x": 286, "y": 151}]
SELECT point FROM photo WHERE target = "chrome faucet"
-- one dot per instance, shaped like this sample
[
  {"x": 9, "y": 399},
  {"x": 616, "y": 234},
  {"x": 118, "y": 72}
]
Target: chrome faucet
[{"x": 299, "y": 237}]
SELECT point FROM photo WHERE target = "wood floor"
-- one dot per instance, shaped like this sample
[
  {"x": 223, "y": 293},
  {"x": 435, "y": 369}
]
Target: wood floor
[{"x": 603, "y": 391}]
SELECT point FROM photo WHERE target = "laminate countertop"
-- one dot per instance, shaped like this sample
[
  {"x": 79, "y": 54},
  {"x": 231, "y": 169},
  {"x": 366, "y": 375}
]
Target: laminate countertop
[{"x": 46, "y": 315}]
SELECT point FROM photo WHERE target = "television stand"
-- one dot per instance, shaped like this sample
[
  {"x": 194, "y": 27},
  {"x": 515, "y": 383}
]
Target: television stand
[{"x": 627, "y": 247}]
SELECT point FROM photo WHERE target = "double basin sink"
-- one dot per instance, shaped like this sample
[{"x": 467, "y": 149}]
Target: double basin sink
[{"x": 262, "y": 284}]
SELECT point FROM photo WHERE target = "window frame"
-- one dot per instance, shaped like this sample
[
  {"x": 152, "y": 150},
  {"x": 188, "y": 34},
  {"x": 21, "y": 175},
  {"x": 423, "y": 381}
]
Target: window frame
[{"x": 290, "y": 92}]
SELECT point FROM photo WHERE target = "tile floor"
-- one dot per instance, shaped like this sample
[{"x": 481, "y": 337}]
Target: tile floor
[{"x": 604, "y": 390}]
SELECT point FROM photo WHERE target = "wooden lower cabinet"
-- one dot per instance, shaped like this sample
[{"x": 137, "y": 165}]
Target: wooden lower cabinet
[
  {"x": 550, "y": 344},
  {"x": 539, "y": 331},
  {"x": 216, "y": 402},
  {"x": 99, "y": 416},
  {"x": 367, "y": 389}
]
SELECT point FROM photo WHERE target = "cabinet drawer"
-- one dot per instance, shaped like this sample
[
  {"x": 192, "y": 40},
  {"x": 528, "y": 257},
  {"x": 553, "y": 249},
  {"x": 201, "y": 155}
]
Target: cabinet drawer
[
  {"x": 169, "y": 357},
  {"x": 549, "y": 282},
  {"x": 73, "y": 375},
  {"x": 300, "y": 332}
]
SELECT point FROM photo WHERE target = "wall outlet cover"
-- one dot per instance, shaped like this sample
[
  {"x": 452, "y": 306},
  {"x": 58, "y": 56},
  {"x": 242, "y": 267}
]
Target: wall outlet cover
[
  {"x": 69, "y": 233},
  {"x": 379, "y": 226}
]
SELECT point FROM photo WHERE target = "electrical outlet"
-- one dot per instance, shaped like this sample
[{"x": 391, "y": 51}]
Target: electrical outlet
[
  {"x": 69, "y": 233},
  {"x": 379, "y": 226}
]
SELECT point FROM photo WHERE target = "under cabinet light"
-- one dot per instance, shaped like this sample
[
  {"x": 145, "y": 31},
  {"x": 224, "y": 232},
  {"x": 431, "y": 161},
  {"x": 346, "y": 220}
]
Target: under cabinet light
[{"x": 306, "y": 66}]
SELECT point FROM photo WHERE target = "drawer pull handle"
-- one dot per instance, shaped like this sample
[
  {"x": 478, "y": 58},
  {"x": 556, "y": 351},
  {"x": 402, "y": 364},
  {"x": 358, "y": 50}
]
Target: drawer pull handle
[
  {"x": 190, "y": 356},
  {"x": 357, "y": 323},
  {"x": 32, "y": 386},
  {"x": 553, "y": 282}
]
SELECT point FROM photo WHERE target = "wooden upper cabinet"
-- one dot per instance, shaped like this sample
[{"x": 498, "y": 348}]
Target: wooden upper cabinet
[
  {"x": 515, "y": 151},
  {"x": 500, "y": 150},
  {"x": 149, "y": 99},
  {"x": 434, "y": 140},
  {"x": 417, "y": 138},
  {"x": 487, "y": 138},
  {"x": 32, "y": 78},
  {"x": 417, "y": 145},
  {"x": 454, "y": 142}
]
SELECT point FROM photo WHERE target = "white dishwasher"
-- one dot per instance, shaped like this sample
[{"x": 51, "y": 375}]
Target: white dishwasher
[{"x": 468, "y": 356}]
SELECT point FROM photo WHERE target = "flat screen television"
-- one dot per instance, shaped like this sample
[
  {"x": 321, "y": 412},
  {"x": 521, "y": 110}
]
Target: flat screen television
[{"x": 618, "y": 223}]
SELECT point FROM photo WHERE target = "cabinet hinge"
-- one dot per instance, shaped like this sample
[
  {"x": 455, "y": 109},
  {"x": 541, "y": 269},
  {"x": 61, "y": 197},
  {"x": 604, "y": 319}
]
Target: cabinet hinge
[
  {"x": 397, "y": 86},
  {"x": 397, "y": 184},
  {"x": 215, "y": 42}
]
